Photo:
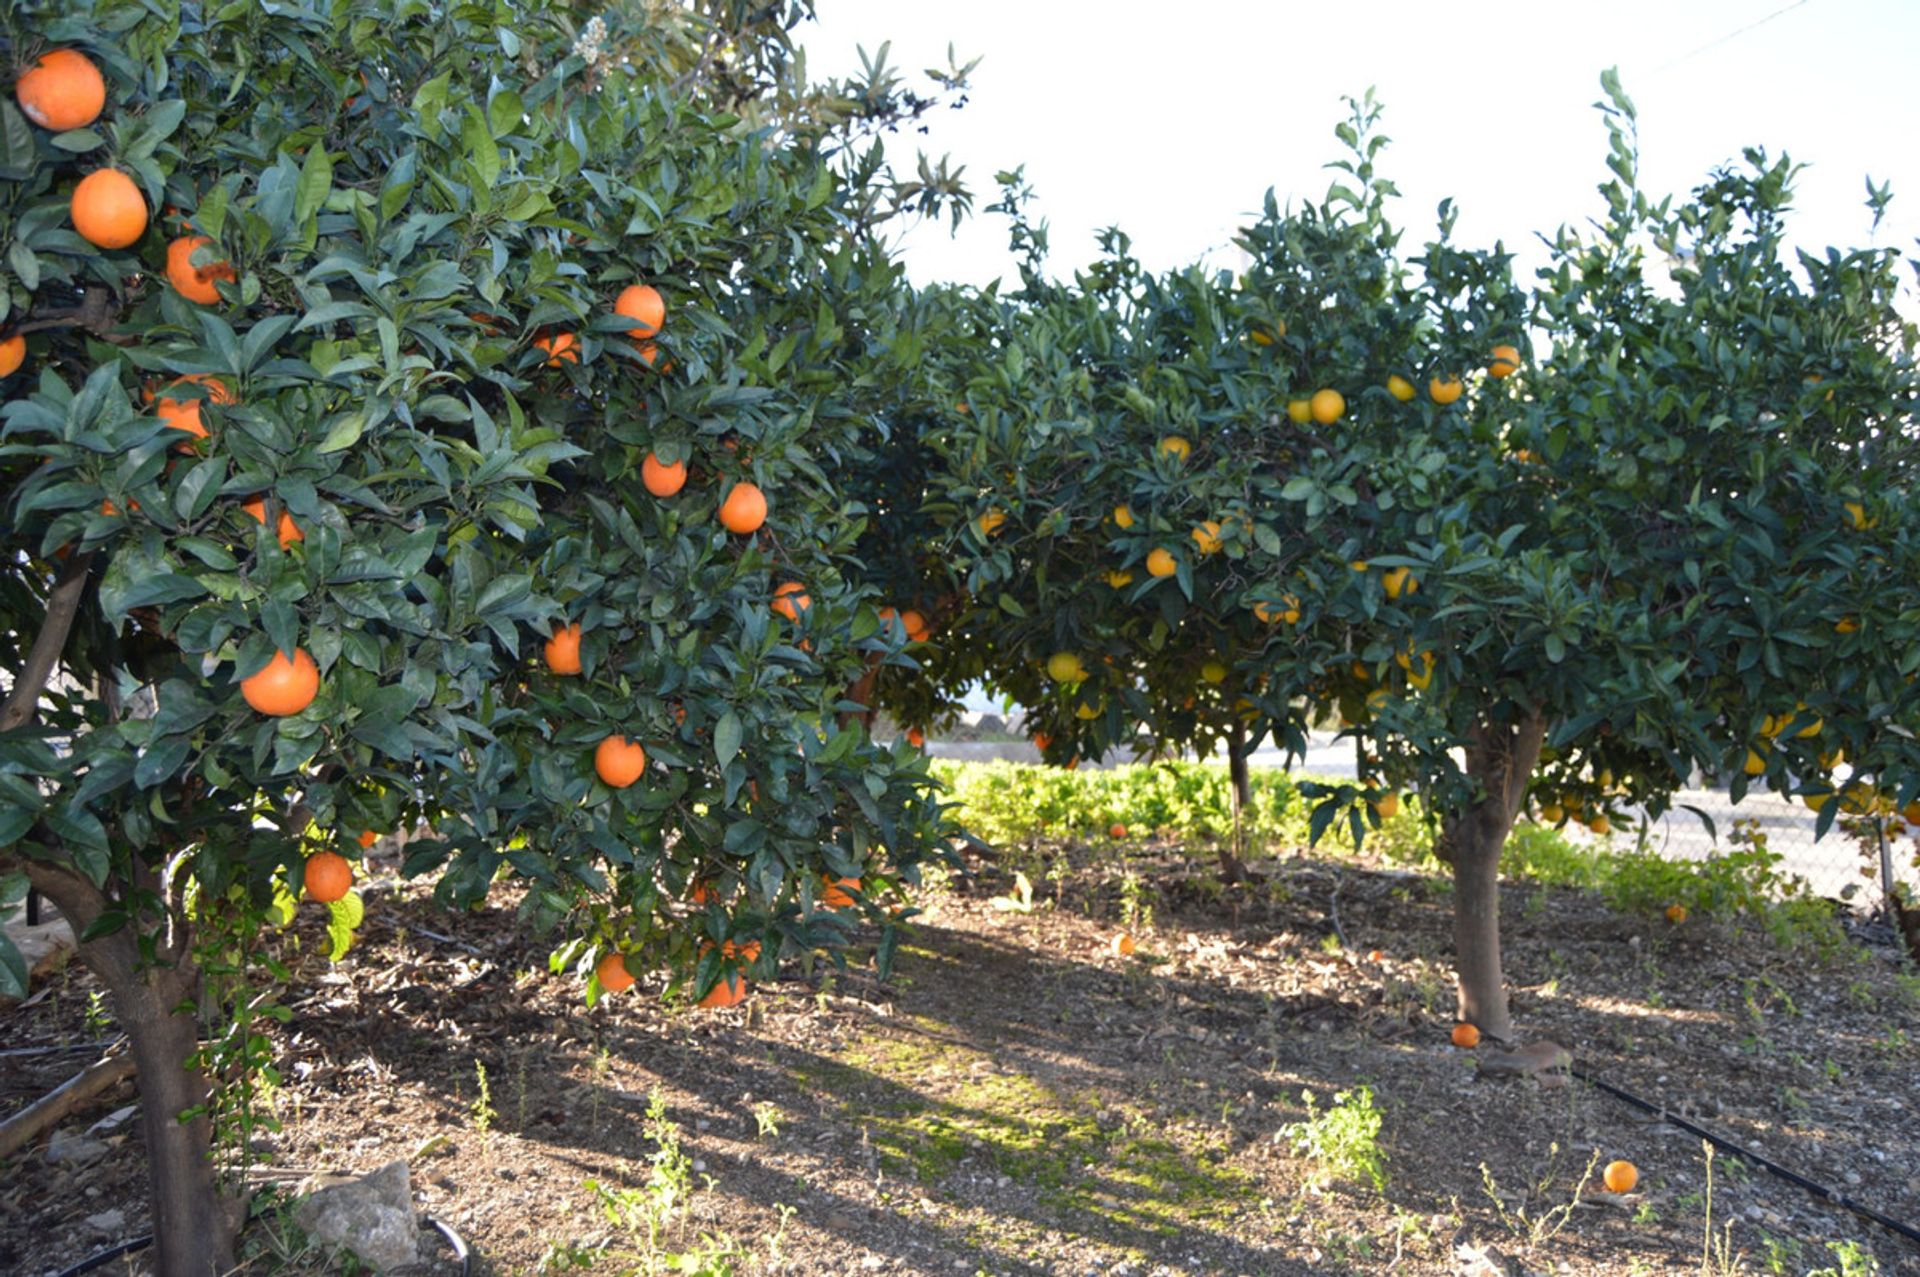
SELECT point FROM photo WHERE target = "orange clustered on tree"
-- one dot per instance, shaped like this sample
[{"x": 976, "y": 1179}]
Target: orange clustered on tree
[{"x": 283, "y": 687}]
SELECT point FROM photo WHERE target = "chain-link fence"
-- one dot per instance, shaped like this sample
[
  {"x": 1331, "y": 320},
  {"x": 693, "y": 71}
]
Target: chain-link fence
[{"x": 1856, "y": 862}]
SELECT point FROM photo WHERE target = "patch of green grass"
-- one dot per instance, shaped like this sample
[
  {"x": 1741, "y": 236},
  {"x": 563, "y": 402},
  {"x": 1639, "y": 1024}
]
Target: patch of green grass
[{"x": 928, "y": 1106}]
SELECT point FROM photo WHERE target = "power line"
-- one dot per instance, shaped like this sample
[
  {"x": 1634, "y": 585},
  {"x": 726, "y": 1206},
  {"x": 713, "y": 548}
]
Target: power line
[{"x": 1731, "y": 35}]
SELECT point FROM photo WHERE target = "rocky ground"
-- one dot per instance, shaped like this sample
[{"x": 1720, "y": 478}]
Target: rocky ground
[{"x": 1020, "y": 1099}]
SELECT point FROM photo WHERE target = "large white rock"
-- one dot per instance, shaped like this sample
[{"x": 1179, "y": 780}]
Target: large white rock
[{"x": 372, "y": 1216}]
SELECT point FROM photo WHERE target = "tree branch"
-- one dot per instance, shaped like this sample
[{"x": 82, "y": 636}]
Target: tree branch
[
  {"x": 95, "y": 313},
  {"x": 23, "y": 702}
]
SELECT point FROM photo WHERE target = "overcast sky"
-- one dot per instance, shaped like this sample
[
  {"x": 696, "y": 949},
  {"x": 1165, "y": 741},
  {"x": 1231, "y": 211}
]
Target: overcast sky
[{"x": 1173, "y": 120}]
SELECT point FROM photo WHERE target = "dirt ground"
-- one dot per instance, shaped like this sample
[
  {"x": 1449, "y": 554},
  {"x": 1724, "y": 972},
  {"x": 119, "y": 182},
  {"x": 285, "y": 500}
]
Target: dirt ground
[{"x": 1019, "y": 1099}]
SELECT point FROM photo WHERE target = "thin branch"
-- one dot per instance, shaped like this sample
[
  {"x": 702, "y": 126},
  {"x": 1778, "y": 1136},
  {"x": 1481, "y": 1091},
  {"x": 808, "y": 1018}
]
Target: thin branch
[
  {"x": 23, "y": 702},
  {"x": 95, "y": 313}
]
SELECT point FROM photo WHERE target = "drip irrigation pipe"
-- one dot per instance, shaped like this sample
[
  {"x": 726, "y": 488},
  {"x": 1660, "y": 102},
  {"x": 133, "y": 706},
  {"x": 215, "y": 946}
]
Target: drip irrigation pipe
[
  {"x": 1747, "y": 1155},
  {"x": 136, "y": 1244}
]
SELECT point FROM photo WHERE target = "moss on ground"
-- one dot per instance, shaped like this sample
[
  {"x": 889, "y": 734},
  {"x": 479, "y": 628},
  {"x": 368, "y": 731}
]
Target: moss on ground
[{"x": 928, "y": 1104}]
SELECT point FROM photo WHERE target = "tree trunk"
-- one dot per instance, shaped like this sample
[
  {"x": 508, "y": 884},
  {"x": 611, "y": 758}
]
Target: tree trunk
[
  {"x": 1232, "y": 866},
  {"x": 1499, "y": 761},
  {"x": 154, "y": 1000}
]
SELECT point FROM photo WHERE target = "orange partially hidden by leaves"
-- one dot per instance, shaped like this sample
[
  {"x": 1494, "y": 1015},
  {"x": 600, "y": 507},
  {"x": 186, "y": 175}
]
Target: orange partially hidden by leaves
[
  {"x": 1116, "y": 830},
  {"x": 619, "y": 761},
  {"x": 289, "y": 530},
  {"x": 791, "y": 599},
  {"x": 1504, "y": 361},
  {"x": 108, "y": 210},
  {"x": 642, "y": 304},
  {"x": 1041, "y": 740},
  {"x": 1620, "y": 1177},
  {"x": 283, "y": 686},
  {"x": 63, "y": 90},
  {"x": 612, "y": 973},
  {"x": 731, "y": 991},
  {"x": 195, "y": 283},
  {"x": 1122, "y": 945},
  {"x": 744, "y": 510},
  {"x": 835, "y": 896},
  {"x": 182, "y": 412},
  {"x": 661, "y": 479},
  {"x": 1466, "y": 1035},
  {"x": 1676, "y": 914},
  {"x": 1445, "y": 390},
  {"x": 13, "y": 353},
  {"x": 563, "y": 650},
  {"x": 702, "y": 892},
  {"x": 561, "y": 348},
  {"x": 744, "y": 951},
  {"x": 916, "y": 626},
  {"x": 368, "y": 838},
  {"x": 916, "y": 738},
  {"x": 328, "y": 876}
]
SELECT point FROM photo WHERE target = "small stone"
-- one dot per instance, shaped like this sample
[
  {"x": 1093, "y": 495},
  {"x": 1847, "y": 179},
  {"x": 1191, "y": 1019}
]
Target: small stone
[
  {"x": 107, "y": 1223},
  {"x": 69, "y": 1149},
  {"x": 112, "y": 1122}
]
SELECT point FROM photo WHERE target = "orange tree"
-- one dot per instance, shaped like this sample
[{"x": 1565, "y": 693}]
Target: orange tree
[
  {"x": 431, "y": 414},
  {"x": 1664, "y": 547}
]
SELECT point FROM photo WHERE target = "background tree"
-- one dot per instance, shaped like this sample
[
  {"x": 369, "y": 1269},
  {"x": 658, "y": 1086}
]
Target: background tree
[
  {"x": 1661, "y": 548},
  {"x": 432, "y": 419}
]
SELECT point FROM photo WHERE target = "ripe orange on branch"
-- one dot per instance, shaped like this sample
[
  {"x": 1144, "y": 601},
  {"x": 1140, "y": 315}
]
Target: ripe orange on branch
[
  {"x": 642, "y": 304},
  {"x": 289, "y": 530},
  {"x": 612, "y": 973},
  {"x": 1504, "y": 361},
  {"x": 835, "y": 894},
  {"x": 63, "y": 90},
  {"x": 731, "y": 991},
  {"x": 561, "y": 348},
  {"x": 108, "y": 210},
  {"x": 283, "y": 687},
  {"x": 791, "y": 599},
  {"x": 182, "y": 411},
  {"x": 744, "y": 510},
  {"x": 661, "y": 479},
  {"x": 563, "y": 650},
  {"x": 328, "y": 876},
  {"x": 619, "y": 761},
  {"x": 195, "y": 283},
  {"x": 13, "y": 353},
  {"x": 1445, "y": 390}
]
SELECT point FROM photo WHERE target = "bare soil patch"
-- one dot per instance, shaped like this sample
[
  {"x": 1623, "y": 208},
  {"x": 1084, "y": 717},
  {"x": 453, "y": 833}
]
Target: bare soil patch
[{"x": 1018, "y": 1099}]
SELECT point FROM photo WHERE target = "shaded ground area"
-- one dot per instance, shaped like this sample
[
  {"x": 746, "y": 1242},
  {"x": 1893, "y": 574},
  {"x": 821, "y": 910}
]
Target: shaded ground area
[{"x": 1021, "y": 1100}]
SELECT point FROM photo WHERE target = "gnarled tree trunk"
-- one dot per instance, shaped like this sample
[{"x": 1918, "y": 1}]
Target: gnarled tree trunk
[
  {"x": 193, "y": 1229},
  {"x": 1500, "y": 758}
]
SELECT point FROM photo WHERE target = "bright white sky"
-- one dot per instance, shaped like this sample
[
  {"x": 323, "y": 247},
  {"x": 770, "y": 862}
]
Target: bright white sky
[{"x": 1173, "y": 120}]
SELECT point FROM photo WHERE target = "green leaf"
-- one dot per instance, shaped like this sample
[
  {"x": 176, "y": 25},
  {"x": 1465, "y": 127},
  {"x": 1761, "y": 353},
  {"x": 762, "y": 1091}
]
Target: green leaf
[
  {"x": 1298, "y": 488},
  {"x": 344, "y": 917},
  {"x": 344, "y": 433},
  {"x": 316, "y": 182},
  {"x": 726, "y": 737},
  {"x": 13, "y": 971}
]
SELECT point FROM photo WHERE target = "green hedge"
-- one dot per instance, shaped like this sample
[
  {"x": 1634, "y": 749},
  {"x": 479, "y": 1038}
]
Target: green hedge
[{"x": 1190, "y": 802}]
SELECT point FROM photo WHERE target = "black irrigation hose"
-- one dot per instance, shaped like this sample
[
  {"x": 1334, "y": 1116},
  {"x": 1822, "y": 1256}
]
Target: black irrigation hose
[
  {"x": 1747, "y": 1155},
  {"x": 111, "y": 1253}
]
